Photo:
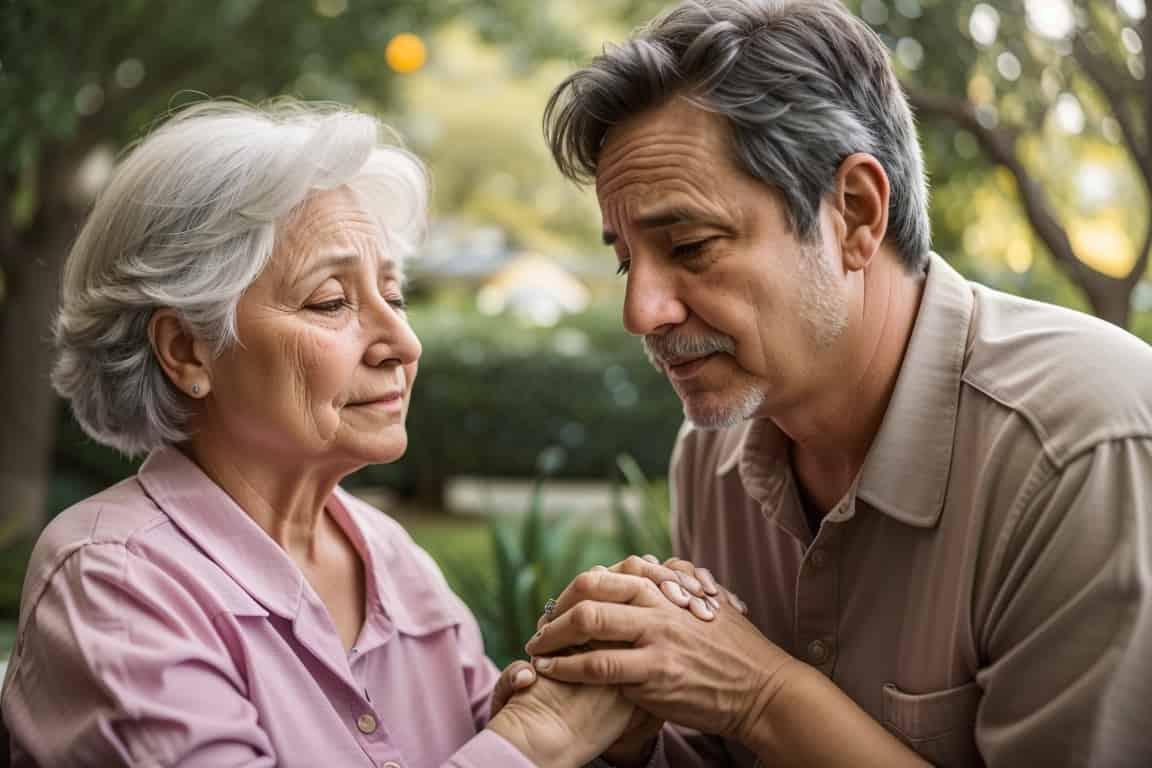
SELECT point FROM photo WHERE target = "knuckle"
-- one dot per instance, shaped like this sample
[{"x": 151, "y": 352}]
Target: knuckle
[
  {"x": 600, "y": 667},
  {"x": 586, "y": 582},
  {"x": 586, "y": 617},
  {"x": 634, "y": 564}
]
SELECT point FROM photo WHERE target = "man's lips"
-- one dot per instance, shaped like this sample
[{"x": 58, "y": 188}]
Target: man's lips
[{"x": 685, "y": 367}]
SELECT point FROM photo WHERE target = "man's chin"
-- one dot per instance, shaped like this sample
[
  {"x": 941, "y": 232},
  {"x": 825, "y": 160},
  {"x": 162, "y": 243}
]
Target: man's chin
[{"x": 716, "y": 415}]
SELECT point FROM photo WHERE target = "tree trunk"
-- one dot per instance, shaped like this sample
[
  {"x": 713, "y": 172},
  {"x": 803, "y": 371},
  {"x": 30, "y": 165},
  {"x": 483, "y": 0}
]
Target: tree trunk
[
  {"x": 1110, "y": 298},
  {"x": 27, "y": 402}
]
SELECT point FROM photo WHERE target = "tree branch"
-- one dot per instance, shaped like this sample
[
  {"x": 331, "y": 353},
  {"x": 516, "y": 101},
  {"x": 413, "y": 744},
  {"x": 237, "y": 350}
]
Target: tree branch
[
  {"x": 1107, "y": 79},
  {"x": 1000, "y": 147}
]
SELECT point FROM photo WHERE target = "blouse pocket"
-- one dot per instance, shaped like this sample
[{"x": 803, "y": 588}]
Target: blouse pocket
[{"x": 940, "y": 725}]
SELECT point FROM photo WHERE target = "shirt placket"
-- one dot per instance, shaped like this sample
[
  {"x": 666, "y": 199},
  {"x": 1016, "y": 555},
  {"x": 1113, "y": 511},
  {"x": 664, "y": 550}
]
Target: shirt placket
[{"x": 817, "y": 599}]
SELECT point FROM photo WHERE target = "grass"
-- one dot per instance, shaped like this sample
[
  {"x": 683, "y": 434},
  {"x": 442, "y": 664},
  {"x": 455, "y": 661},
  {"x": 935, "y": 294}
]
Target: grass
[
  {"x": 7, "y": 638},
  {"x": 450, "y": 540}
]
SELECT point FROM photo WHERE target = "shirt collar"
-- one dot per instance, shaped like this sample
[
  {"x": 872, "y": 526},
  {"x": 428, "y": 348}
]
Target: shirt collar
[
  {"x": 223, "y": 531},
  {"x": 906, "y": 472},
  {"x": 405, "y": 591}
]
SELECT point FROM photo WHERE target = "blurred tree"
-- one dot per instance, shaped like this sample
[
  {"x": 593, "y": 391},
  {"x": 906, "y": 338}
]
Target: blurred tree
[
  {"x": 1054, "y": 93},
  {"x": 80, "y": 79}
]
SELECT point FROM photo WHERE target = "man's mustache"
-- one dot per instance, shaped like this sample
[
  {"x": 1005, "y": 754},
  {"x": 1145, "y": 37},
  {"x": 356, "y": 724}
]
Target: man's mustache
[{"x": 663, "y": 349}]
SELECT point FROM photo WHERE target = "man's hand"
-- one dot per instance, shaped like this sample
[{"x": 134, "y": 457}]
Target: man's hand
[{"x": 715, "y": 676}]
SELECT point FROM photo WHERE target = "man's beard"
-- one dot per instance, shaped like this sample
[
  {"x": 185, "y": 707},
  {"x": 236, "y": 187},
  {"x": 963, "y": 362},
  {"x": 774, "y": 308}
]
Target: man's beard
[
  {"x": 824, "y": 313},
  {"x": 671, "y": 346}
]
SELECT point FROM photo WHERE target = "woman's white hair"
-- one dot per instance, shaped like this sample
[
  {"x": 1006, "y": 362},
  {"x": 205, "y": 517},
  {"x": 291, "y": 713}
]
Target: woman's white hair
[{"x": 188, "y": 222}]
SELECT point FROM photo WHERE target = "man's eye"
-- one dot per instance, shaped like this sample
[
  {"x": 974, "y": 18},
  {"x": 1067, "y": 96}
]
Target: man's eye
[
  {"x": 624, "y": 266},
  {"x": 688, "y": 250},
  {"x": 329, "y": 307}
]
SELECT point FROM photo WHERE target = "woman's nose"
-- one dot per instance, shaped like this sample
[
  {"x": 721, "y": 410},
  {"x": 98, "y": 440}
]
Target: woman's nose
[{"x": 393, "y": 339}]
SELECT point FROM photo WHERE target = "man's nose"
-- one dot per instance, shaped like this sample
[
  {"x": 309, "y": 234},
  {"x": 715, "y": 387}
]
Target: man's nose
[{"x": 651, "y": 300}]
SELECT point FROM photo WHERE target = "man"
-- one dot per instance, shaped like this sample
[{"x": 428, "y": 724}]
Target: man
[{"x": 933, "y": 497}]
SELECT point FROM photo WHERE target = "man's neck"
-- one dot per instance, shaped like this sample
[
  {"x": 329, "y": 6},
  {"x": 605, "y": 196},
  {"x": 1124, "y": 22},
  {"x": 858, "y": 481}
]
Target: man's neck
[{"x": 831, "y": 439}]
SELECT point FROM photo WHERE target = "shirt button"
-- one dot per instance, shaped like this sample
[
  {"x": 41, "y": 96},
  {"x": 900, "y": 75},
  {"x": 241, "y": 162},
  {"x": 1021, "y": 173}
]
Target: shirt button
[
  {"x": 390, "y": 764},
  {"x": 819, "y": 558},
  {"x": 818, "y": 651},
  {"x": 366, "y": 723}
]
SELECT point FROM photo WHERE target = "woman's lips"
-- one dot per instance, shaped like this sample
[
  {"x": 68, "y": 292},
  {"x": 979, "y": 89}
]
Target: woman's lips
[{"x": 389, "y": 401}]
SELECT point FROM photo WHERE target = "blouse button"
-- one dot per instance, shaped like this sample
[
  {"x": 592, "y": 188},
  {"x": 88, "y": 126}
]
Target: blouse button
[
  {"x": 818, "y": 651},
  {"x": 390, "y": 764},
  {"x": 366, "y": 723}
]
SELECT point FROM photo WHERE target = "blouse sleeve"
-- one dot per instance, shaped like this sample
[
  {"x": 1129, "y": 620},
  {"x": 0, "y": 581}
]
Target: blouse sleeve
[{"x": 111, "y": 675}]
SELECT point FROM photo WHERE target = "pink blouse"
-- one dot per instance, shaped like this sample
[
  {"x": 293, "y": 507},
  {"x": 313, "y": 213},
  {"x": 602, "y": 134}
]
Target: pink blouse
[{"x": 160, "y": 625}]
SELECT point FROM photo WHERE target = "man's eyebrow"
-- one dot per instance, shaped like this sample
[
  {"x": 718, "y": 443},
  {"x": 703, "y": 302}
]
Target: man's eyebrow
[{"x": 667, "y": 217}]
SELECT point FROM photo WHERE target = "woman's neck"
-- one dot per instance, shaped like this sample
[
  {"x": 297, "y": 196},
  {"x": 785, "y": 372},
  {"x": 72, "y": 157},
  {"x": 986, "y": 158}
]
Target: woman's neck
[{"x": 283, "y": 497}]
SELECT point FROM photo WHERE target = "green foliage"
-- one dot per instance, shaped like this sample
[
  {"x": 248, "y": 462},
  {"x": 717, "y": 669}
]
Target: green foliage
[
  {"x": 535, "y": 557},
  {"x": 495, "y": 398}
]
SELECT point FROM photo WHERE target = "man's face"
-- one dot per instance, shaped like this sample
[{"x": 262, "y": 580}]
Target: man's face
[{"x": 740, "y": 314}]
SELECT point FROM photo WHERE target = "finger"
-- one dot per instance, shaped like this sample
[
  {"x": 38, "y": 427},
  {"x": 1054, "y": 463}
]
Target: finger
[
  {"x": 708, "y": 581},
  {"x": 516, "y": 677},
  {"x": 613, "y": 667},
  {"x": 701, "y": 609},
  {"x": 652, "y": 559},
  {"x": 588, "y": 621},
  {"x": 676, "y": 593},
  {"x": 686, "y": 573},
  {"x": 736, "y": 602},
  {"x": 657, "y": 574},
  {"x": 607, "y": 587}
]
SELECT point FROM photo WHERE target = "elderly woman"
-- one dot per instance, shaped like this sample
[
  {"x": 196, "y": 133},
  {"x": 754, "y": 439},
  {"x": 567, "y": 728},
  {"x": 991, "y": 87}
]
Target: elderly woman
[{"x": 234, "y": 307}]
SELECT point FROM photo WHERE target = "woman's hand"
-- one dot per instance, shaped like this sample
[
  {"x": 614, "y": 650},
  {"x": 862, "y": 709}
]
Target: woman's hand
[{"x": 558, "y": 725}]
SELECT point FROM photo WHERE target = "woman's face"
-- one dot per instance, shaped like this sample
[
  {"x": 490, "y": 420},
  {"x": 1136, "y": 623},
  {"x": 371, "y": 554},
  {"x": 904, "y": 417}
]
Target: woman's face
[{"x": 326, "y": 359}]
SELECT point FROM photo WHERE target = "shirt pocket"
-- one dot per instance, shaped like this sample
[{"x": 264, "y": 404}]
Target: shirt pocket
[{"x": 940, "y": 725}]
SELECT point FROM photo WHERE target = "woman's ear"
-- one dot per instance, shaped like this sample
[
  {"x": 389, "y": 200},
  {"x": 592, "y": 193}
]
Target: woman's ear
[
  {"x": 861, "y": 199},
  {"x": 184, "y": 358}
]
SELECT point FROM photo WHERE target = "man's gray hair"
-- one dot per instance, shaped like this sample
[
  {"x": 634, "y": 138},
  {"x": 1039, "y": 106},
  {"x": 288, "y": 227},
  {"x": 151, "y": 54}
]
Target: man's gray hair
[
  {"x": 803, "y": 84},
  {"x": 188, "y": 221}
]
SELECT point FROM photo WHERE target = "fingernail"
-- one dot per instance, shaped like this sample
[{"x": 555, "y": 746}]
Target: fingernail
[
  {"x": 599, "y": 568},
  {"x": 652, "y": 559},
  {"x": 691, "y": 583},
  {"x": 675, "y": 593},
  {"x": 543, "y": 664},
  {"x": 713, "y": 603},
  {"x": 708, "y": 581},
  {"x": 524, "y": 677}
]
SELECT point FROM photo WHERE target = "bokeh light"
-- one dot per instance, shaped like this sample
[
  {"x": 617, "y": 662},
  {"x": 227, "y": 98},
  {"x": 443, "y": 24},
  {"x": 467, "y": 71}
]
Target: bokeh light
[{"x": 405, "y": 53}]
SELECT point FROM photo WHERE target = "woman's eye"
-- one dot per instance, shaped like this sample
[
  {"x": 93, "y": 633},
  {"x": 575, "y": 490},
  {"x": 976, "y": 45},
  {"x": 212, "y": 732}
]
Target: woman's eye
[
  {"x": 329, "y": 307},
  {"x": 398, "y": 303}
]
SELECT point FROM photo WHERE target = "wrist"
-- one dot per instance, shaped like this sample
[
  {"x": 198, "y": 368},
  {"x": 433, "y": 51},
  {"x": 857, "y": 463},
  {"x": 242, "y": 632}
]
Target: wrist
[
  {"x": 542, "y": 739},
  {"x": 758, "y": 729}
]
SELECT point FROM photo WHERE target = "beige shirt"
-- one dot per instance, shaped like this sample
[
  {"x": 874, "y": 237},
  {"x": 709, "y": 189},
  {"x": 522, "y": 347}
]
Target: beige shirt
[{"x": 978, "y": 585}]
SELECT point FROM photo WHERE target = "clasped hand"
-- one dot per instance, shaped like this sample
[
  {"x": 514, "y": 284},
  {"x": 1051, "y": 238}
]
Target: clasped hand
[{"x": 670, "y": 641}]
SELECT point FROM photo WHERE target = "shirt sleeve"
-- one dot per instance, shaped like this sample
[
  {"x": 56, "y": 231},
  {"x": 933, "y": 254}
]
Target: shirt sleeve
[
  {"x": 1059, "y": 609},
  {"x": 108, "y": 675}
]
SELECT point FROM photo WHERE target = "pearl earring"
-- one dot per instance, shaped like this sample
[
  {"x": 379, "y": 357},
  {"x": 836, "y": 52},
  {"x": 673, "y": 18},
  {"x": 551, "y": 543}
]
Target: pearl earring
[{"x": 195, "y": 389}]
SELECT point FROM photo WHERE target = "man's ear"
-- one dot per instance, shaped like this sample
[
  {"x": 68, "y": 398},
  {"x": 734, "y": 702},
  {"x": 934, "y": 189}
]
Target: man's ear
[
  {"x": 186, "y": 360},
  {"x": 860, "y": 198}
]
